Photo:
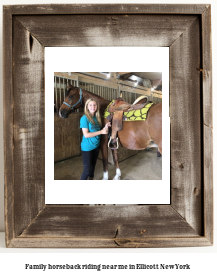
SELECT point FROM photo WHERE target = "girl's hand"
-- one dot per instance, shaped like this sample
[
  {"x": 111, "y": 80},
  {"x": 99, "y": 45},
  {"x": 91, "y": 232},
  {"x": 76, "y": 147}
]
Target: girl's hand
[
  {"x": 104, "y": 131},
  {"x": 107, "y": 125}
]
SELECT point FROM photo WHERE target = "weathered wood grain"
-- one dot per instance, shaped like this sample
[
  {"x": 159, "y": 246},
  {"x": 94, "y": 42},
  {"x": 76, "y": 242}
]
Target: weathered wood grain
[
  {"x": 186, "y": 30},
  {"x": 29, "y": 126},
  {"x": 206, "y": 67},
  {"x": 106, "y": 9},
  {"x": 207, "y": 118},
  {"x": 107, "y": 30},
  {"x": 69, "y": 242},
  {"x": 208, "y": 182},
  {"x": 109, "y": 222},
  {"x": 8, "y": 125},
  {"x": 186, "y": 126},
  {"x": 207, "y": 123}
]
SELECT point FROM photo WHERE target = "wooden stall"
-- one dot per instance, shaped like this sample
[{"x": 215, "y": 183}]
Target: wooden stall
[{"x": 66, "y": 137}]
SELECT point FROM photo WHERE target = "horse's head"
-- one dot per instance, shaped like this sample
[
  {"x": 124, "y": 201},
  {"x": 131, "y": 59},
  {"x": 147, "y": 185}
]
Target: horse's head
[{"x": 73, "y": 100}]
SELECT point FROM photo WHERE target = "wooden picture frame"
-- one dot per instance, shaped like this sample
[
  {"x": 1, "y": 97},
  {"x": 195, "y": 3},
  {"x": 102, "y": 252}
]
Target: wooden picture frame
[{"x": 186, "y": 30}]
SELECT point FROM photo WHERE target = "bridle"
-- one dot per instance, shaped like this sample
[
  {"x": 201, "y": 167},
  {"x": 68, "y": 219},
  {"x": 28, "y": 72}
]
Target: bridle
[{"x": 80, "y": 101}]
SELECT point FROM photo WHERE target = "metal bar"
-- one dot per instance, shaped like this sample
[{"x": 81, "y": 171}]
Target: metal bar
[
  {"x": 61, "y": 91},
  {"x": 136, "y": 87},
  {"x": 89, "y": 74},
  {"x": 55, "y": 83},
  {"x": 67, "y": 83}
]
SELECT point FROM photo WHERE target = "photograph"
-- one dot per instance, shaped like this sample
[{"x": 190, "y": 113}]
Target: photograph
[
  {"x": 107, "y": 127},
  {"x": 108, "y": 121}
]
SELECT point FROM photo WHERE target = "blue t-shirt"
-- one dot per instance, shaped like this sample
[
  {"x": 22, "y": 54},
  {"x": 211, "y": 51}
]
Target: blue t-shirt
[{"x": 89, "y": 144}]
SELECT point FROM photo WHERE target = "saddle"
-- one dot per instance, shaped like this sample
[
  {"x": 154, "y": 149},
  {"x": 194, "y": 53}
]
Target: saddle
[
  {"x": 119, "y": 104},
  {"x": 116, "y": 109}
]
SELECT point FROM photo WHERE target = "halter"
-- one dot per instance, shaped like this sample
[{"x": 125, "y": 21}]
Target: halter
[{"x": 80, "y": 101}]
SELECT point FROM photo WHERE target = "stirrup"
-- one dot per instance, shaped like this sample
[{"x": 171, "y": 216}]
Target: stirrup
[{"x": 113, "y": 148}]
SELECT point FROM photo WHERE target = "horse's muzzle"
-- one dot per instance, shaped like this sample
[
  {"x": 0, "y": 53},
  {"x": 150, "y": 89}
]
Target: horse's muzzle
[{"x": 63, "y": 113}]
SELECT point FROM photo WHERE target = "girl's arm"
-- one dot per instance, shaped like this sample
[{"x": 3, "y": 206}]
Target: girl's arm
[{"x": 88, "y": 134}]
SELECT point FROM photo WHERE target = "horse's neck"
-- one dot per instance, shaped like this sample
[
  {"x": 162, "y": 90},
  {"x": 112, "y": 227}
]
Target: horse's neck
[{"x": 103, "y": 102}]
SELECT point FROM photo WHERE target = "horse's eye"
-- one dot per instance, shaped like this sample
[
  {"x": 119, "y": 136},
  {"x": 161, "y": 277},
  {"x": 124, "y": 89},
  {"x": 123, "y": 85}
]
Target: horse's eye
[{"x": 70, "y": 97}]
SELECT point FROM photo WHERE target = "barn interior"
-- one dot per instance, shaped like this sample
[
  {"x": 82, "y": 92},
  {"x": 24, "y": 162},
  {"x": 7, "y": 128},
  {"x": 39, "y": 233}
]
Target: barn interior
[{"x": 134, "y": 164}]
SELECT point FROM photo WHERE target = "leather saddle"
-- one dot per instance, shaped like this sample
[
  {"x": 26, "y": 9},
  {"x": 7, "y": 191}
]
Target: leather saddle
[{"x": 116, "y": 110}]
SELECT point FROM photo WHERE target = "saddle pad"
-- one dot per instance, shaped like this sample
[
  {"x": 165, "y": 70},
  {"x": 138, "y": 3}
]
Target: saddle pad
[{"x": 134, "y": 115}]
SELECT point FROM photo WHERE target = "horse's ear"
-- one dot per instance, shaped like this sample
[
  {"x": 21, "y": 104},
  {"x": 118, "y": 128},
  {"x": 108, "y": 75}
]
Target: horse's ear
[{"x": 70, "y": 87}]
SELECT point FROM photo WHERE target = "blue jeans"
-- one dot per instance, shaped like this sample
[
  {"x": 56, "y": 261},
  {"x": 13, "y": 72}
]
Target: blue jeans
[{"x": 89, "y": 162}]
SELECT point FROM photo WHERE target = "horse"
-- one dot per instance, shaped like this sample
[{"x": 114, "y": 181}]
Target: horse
[{"x": 136, "y": 135}]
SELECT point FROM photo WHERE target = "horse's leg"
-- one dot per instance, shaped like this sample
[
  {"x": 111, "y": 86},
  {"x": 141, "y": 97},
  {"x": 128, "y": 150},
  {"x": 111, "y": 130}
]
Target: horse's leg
[
  {"x": 115, "y": 158},
  {"x": 159, "y": 150},
  {"x": 104, "y": 150}
]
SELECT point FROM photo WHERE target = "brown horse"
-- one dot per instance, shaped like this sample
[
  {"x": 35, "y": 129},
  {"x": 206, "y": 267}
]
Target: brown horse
[{"x": 136, "y": 135}]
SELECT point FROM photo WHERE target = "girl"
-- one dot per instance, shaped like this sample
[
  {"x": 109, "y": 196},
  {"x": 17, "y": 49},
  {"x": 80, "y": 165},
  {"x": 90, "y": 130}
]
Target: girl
[{"x": 91, "y": 127}]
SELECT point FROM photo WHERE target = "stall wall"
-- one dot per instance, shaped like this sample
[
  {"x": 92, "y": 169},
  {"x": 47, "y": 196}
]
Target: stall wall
[{"x": 67, "y": 137}]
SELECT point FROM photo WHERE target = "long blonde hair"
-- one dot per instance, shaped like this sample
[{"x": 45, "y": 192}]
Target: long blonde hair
[{"x": 97, "y": 113}]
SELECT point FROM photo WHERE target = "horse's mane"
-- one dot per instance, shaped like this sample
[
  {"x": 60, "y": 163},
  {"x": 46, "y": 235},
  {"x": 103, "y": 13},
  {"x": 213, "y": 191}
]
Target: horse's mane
[
  {"x": 68, "y": 91},
  {"x": 95, "y": 95}
]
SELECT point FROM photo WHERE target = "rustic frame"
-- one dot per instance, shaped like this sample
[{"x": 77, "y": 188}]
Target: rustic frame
[{"x": 188, "y": 220}]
